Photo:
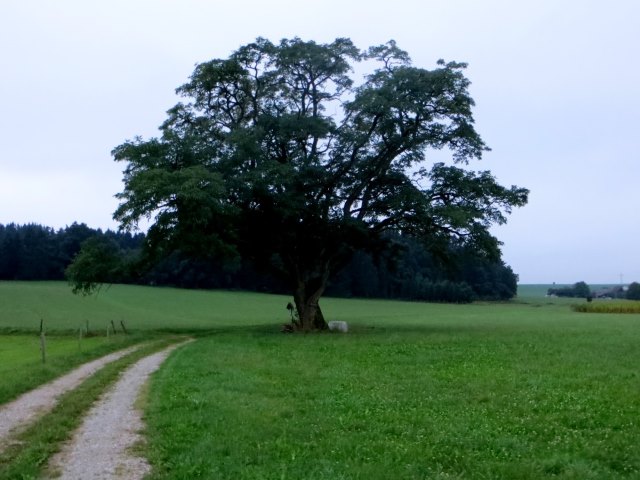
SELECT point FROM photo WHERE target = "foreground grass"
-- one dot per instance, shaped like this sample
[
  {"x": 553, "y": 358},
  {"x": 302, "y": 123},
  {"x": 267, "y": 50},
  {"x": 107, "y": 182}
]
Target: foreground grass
[
  {"x": 524, "y": 389},
  {"x": 468, "y": 397},
  {"x": 21, "y": 367},
  {"x": 28, "y": 456}
]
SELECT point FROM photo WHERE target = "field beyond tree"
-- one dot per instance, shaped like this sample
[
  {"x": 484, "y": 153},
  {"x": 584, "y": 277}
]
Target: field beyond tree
[{"x": 521, "y": 389}]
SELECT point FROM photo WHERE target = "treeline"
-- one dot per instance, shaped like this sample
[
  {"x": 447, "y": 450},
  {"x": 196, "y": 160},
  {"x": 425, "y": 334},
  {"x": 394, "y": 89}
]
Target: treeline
[
  {"x": 407, "y": 271},
  {"x": 413, "y": 273},
  {"x": 577, "y": 290},
  {"x": 582, "y": 290},
  {"x": 36, "y": 252}
]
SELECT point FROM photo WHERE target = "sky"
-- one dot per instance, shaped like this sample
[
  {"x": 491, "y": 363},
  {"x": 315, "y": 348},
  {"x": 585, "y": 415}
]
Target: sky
[{"x": 556, "y": 85}]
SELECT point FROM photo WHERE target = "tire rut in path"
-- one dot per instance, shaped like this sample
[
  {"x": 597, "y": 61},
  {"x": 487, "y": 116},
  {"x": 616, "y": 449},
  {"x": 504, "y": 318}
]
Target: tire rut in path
[
  {"x": 101, "y": 447},
  {"x": 19, "y": 413}
]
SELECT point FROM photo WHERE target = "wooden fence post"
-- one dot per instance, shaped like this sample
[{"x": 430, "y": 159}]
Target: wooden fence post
[{"x": 43, "y": 343}]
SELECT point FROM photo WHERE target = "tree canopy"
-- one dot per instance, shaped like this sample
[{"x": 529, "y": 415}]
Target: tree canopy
[
  {"x": 278, "y": 155},
  {"x": 633, "y": 293}
]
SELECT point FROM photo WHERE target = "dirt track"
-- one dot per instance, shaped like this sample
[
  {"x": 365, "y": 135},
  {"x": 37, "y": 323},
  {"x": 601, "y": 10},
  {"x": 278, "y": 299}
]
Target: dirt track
[
  {"x": 23, "y": 410},
  {"x": 101, "y": 447}
]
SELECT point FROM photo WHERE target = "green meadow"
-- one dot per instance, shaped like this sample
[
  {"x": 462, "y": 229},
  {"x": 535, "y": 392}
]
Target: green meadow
[
  {"x": 24, "y": 304},
  {"x": 21, "y": 366},
  {"x": 524, "y": 389}
]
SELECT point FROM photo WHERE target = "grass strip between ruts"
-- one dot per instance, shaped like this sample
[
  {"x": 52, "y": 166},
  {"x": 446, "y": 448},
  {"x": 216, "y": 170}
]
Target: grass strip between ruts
[{"x": 30, "y": 450}]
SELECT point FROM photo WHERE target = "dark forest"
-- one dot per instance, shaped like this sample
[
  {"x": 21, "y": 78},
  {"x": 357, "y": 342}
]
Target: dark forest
[{"x": 406, "y": 271}]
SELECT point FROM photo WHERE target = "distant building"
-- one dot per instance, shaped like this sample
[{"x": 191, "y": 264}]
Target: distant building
[{"x": 610, "y": 292}]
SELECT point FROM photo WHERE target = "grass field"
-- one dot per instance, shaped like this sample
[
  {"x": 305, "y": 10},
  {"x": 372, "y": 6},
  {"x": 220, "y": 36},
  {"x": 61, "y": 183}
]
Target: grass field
[
  {"x": 21, "y": 367},
  {"x": 550, "y": 394},
  {"x": 525, "y": 389},
  {"x": 23, "y": 304}
]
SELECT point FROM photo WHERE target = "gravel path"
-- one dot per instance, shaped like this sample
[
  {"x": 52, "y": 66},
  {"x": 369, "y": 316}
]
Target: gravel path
[
  {"x": 101, "y": 447},
  {"x": 23, "y": 410}
]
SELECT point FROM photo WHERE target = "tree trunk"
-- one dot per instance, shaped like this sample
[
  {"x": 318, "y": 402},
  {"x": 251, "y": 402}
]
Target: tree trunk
[{"x": 310, "y": 315}]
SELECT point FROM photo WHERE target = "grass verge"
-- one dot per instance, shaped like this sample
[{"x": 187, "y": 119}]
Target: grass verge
[{"x": 28, "y": 455}]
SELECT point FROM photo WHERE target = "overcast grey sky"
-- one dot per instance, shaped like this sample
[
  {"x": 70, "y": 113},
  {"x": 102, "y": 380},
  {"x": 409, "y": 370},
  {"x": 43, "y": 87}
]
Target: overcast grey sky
[{"x": 556, "y": 83}]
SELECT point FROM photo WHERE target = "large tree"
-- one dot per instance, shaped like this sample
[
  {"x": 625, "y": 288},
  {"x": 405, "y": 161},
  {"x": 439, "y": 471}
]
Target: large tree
[{"x": 277, "y": 155}]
